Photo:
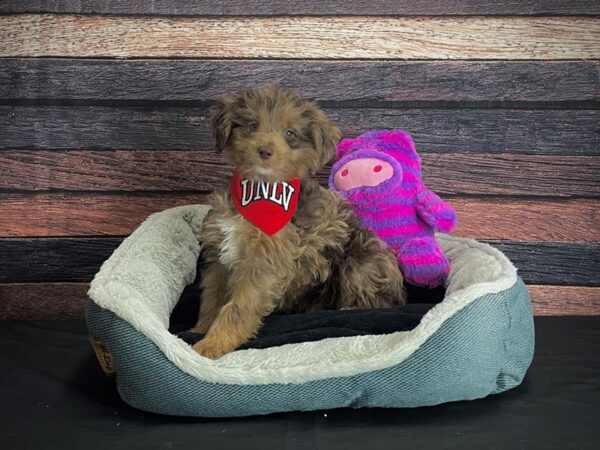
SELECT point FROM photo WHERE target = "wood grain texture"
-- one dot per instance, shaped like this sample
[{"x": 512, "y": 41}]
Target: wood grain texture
[
  {"x": 509, "y": 38},
  {"x": 55, "y": 301},
  {"x": 78, "y": 259},
  {"x": 331, "y": 81},
  {"x": 165, "y": 171},
  {"x": 528, "y": 220},
  {"x": 503, "y": 99},
  {"x": 43, "y": 301},
  {"x": 53, "y": 259},
  {"x": 306, "y": 7},
  {"x": 510, "y": 174},
  {"x": 558, "y": 132},
  {"x": 67, "y": 214},
  {"x": 564, "y": 300},
  {"x": 80, "y": 214},
  {"x": 554, "y": 262},
  {"x": 138, "y": 170}
]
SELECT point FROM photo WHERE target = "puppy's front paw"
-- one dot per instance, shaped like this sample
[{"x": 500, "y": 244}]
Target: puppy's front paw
[{"x": 210, "y": 348}]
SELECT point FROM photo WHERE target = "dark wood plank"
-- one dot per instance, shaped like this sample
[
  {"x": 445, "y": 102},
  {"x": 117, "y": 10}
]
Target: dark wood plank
[
  {"x": 43, "y": 301},
  {"x": 554, "y": 262},
  {"x": 363, "y": 82},
  {"x": 285, "y": 37},
  {"x": 187, "y": 128},
  {"x": 92, "y": 214},
  {"x": 53, "y": 259},
  {"x": 307, "y": 7},
  {"x": 104, "y": 127},
  {"x": 58, "y": 301},
  {"x": 78, "y": 259},
  {"x": 565, "y": 300},
  {"x": 143, "y": 170}
]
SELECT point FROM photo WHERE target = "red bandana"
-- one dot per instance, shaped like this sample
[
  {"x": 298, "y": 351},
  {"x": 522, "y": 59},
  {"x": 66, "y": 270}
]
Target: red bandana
[{"x": 268, "y": 206}]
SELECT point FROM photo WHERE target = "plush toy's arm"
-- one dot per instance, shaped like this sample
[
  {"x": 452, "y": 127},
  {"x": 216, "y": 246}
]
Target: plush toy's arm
[{"x": 438, "y": 214}]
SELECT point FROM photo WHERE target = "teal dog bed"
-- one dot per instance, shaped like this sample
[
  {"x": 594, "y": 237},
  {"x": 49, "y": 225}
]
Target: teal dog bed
[{"x": 478, "y": 341}]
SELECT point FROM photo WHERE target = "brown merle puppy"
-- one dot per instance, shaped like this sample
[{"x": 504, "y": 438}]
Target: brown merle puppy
[{"x": 322, "y": 258}]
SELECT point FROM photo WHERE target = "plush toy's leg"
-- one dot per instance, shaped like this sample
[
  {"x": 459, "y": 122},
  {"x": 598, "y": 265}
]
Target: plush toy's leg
[
  {"x": 369, "y": 276},
  {"x": 423, "y": 263},
  {"x": 213, "y": 297}
]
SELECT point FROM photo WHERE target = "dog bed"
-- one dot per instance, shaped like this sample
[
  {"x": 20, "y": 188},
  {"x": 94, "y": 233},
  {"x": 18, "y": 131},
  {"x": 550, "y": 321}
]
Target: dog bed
[{"x": 478, "y": 341}]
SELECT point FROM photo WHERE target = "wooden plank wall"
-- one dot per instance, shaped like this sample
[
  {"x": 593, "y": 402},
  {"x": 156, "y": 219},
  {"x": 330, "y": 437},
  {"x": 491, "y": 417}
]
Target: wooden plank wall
[{"x": 104, "y": 120}]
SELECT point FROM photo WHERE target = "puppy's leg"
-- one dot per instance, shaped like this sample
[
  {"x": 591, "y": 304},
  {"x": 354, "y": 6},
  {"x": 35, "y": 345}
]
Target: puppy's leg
[
  {"x": 213, "y": 297},
  {"x": 252, "y": 298},
  {"x": 369, "y": 274}
]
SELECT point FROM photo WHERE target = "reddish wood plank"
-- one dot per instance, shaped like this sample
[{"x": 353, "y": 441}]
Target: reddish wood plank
[
  {"x": 476, "y": 37},
  {"x": 42, "y": 301},
  {"x": 360, "y": 82},
  {"x": 85, "y": 214},
  {"x": 510, "y": 174},
  {"x": 69, "y": 214},
  {"x": 142, "y": 170},
  {"x": 306, "y": 7},
  {"x": 565, "y": 300},
  {"x": 49, "y": 301},
  {"x": 158, "y": 170},
  {"x": 528, "y": 220}
]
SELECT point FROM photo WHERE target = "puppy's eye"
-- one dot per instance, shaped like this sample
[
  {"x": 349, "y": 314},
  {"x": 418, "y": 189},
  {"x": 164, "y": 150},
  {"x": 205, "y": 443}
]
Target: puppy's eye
[
  {"x": 290, "y": 134},
  {"x": 252, "y": 126}
]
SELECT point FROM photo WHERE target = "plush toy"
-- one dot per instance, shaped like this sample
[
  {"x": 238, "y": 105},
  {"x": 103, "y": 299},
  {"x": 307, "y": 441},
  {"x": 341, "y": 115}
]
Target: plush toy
[{"x": 379, "y": 174}]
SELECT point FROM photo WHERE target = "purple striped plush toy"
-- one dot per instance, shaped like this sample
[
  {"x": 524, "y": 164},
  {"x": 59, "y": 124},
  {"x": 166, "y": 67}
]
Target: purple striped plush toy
[{"x": 379, "y": 174}]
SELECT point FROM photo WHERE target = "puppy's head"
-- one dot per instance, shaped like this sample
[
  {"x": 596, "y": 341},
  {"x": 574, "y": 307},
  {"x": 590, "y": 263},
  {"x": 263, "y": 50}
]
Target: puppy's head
[{"x": 272, "y": 134}]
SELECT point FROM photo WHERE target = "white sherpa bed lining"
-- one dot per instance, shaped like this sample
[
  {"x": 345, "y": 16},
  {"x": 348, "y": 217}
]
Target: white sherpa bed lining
[{"x": 144, "y": 278}]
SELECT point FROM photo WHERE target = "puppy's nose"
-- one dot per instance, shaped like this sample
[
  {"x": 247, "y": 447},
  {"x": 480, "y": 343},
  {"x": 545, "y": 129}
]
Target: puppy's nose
[{"x": 265, "y": 152}]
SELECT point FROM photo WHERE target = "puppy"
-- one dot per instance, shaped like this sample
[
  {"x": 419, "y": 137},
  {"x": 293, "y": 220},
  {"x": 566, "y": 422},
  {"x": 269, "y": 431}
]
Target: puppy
[{"x": 316, "y": 257}]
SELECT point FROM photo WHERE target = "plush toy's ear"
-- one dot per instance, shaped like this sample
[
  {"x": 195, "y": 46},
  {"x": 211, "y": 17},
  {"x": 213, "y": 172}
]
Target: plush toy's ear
[
  {"x": 401, "y": 138},
  {"x": 343, "y": 148},
  {"x": 222, "y": 121}
]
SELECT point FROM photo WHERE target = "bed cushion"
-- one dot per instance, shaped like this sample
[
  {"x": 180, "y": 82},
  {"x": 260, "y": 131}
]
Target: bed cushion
[{"x": 478, "y": 341}]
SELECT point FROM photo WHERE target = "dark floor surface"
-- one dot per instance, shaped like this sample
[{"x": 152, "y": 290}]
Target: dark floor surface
[{"x": 54, "y": 395}]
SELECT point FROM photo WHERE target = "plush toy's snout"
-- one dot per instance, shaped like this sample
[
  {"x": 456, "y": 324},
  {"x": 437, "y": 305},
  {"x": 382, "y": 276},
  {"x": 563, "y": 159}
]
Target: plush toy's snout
[
  {"x": 362, "y": 172},
  {"x": 365, "y": 169}
]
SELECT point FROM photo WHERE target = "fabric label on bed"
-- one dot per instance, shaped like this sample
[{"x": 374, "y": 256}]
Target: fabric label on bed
[{"x": 105, "y": 358}]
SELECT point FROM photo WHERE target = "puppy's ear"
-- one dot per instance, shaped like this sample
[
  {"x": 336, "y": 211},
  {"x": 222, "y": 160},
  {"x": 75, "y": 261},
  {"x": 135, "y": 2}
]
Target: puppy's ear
[
  {"x": 325, "y": 135},
  {"x": 221, "y": 120}
]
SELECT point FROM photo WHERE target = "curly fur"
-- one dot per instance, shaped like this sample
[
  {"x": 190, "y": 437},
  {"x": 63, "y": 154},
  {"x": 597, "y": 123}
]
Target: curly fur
[{"x": 322, "y": 259}]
